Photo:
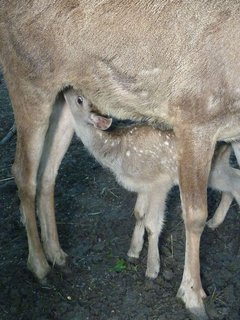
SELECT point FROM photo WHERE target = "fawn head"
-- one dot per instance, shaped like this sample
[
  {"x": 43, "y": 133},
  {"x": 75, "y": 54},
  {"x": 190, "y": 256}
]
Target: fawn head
[{"x": 83, "y": 111}]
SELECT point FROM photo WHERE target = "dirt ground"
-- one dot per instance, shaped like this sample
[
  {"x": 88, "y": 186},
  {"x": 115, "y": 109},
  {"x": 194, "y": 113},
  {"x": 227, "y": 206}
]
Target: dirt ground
[{"x": 95, "y": 222}]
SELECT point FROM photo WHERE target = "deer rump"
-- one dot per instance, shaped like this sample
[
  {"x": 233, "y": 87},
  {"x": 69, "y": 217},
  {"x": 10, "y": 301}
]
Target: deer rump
[{"x": 170, "y": 62}]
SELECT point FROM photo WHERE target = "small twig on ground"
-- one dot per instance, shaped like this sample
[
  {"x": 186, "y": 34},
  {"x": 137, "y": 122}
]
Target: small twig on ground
[
  {"x": 9, "y": 135},
  {"x": 172, "y": 245},
  {"x": 6, "y": 179},
  {"x": 176, "y": 226},
  {"x": 63, "y": 223},
  {"x": 5, "y": 311},
  {"x": 105, "y": 190},
  {"x": 213, "y": 296},
  {"x": 94, "y": 213}
]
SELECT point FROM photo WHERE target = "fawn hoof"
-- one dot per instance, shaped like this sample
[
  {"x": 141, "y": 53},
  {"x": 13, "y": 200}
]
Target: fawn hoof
[
  {"x": 133, "y": 254},
  {"x": 152, "y": 271},
  {"x": 151, "y": 275},
  {"x": 132, "y": 260}
]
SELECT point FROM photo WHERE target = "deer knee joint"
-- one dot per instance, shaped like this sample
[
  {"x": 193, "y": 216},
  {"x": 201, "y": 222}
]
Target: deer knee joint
[{"x": 195, "y": 224}]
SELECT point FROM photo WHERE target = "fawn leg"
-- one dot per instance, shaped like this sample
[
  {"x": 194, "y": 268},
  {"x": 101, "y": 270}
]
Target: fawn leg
[
  {"x": 153, "y": 222},
  {"x": 139, "y": 229}
]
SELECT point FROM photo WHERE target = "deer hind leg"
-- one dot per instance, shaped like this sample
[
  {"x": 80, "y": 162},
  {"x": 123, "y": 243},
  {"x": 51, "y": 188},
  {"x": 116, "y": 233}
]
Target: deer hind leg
[
  {"x": 221, "y": 179},
  {"x": 32, "y": 118},
  {"x": 57, "y": 141},
  {"x": 153, "y": 222},
  {"x": 236, "y": 149},
  {"x": 221, "y": 211},
  {"x": 139, "y": 229},
  {"x": 194, "y": 165}
]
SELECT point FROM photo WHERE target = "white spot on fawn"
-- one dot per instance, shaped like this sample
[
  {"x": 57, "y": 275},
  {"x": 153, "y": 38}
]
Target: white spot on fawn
[
  {"x": 144, "y": 94},
  {"x": 150, "y": 72},
  {"x": 99, "y": 133},
  {"x": 128, "y": 153}
]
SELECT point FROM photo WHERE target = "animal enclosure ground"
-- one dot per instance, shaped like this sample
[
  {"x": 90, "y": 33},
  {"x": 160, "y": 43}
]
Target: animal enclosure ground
[{"x": 95, "y": 222}]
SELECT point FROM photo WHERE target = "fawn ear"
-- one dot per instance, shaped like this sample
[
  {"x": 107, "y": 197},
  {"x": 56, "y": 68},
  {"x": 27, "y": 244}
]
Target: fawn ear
[{"x": 100, "y": 122}]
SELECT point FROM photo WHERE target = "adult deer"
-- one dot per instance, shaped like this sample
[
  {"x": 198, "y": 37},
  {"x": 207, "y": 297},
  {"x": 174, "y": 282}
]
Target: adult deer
[{"x": 170, "y": 61}]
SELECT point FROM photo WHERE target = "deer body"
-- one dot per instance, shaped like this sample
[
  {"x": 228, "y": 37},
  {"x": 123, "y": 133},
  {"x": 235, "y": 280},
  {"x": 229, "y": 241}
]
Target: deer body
[
  {"x": 143, "y": 159},
  {"x": 169, "y": 61},
  {"x": 131, "y": 83}
]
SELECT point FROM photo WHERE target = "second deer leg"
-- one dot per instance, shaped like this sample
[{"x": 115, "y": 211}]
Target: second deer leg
[
  {"x": 57, "y": 141},
  {"x": 194, "y": 166}
]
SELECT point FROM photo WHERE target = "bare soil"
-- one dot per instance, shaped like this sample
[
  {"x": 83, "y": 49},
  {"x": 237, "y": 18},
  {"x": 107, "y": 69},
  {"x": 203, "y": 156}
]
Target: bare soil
[{"x": 95, "y": 223}]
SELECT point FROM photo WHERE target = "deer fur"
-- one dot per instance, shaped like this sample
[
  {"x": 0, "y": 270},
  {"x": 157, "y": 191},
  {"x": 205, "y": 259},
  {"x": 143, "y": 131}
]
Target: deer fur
[
  {"x": 126, "y": 151},
  {"x": 172, "y": 62}
]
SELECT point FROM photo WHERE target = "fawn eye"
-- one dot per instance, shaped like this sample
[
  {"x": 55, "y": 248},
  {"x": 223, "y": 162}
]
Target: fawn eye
[{"x": 80, "y": 100}]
